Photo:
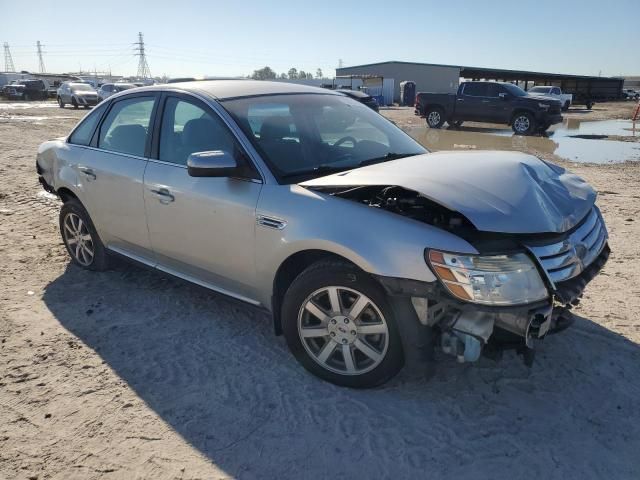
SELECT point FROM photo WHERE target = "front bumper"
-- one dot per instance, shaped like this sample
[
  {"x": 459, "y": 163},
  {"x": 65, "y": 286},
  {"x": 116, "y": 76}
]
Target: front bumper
[
  {"x": 88, "y": 101},
  {"x": 466, "y": 328}
]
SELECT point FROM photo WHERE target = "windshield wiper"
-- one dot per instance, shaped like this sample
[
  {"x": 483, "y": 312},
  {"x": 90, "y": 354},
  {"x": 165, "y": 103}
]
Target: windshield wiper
[
  {"x": 323, "y": 168},
  {"x": 386, "y": 158}
]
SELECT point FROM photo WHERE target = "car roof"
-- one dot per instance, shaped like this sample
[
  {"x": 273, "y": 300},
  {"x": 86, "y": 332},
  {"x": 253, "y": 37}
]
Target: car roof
[
  {"x": 353, "y": 93},
  {"x": 226, "y": 89}
]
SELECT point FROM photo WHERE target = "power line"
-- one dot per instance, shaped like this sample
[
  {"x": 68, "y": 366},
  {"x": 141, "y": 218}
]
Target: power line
[
  {"x": 8, "y": 61},
  {"x": 143, "y": 66},
  {"x": 40, "y": 60}
]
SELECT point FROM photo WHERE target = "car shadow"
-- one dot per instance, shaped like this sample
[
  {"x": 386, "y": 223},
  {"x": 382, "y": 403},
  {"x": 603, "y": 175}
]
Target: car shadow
[{"x": 212, "y": 369}]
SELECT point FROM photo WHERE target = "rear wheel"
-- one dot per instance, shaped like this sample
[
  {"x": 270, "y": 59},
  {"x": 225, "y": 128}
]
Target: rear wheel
[
  {"x": 435, "y": 117},
  {"x": 81, "y": 238},
  {"x": 589, "y": 105},
  {"x": 74, "y": 102},
  {"x": 566, "y": 106},
  {"x": 339, "y": 325},
  {"x": 523, "y": 123},
  {"x": 60, "y": 102}
]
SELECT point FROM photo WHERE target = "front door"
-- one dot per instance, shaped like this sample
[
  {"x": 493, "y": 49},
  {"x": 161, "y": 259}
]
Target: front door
[
  {"x": 112, "y": 174},
  {"x": 201, "y": 228}
]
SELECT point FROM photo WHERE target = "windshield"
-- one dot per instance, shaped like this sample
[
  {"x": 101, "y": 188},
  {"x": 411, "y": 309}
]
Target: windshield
[
  {"x": 305, "y": 136},
  {"x": 540, "y": 90},
  {"x": 81, "y": 87},
  {"x": 514, "y": 90}
]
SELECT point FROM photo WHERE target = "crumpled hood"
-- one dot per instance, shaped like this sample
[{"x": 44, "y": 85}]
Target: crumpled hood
[{"x": 507, "y": 192}]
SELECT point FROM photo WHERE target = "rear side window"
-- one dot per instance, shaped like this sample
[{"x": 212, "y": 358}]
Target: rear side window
[
  {"x": 83, "y": 132},
  {"x": 126, "y": 126},
  {"x": 188, "y": 128}
]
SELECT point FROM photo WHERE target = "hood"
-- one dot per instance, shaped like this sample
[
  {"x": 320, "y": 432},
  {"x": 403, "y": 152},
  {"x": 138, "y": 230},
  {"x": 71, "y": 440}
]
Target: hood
[
  {"x": 543, "y": 98},
  {"x": 505, "y": 192}
]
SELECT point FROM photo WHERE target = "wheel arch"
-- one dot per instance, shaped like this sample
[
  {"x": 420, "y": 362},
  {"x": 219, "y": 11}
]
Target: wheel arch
[
  {"x": 520, "y": 110},
  {"x": 66, "y": 194},
  {"x": 289, "y": 269}
]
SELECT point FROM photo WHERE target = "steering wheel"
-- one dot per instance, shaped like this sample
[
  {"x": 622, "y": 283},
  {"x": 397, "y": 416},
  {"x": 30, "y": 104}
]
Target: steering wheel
[{"x": 348, "y": 138}]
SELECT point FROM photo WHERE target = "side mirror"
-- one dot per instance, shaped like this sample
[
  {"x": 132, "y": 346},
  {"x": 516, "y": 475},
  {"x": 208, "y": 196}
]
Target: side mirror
[{"x": 216, "y": 163}]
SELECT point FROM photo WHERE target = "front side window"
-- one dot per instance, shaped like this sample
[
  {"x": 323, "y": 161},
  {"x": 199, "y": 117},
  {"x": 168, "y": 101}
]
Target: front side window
[
  {"x": 187, "y": 128},
  {"x": 309, "y": 135},
  {"x": 83, "y": 132},
  {"x": 126, "y": 126}
]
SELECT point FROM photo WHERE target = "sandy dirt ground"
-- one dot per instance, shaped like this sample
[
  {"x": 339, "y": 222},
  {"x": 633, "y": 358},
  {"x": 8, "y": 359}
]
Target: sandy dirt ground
[{"x": 131, "y": 374}]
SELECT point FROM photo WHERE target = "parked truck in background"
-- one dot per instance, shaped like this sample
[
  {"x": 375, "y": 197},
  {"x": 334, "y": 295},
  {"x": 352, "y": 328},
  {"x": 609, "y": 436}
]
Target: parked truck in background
[
  {"x": 491, "y": 102},
  {"x": 554, "y": 92}
]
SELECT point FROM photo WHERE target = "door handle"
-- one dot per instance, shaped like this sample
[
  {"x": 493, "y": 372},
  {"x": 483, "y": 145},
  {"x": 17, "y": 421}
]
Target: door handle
[
  {"x": 88, "y": 172},
  {"x": 164, "y": 195},
  {"x": 460, "y": 99}
]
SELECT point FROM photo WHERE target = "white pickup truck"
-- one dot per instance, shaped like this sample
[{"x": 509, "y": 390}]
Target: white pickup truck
[{"x": 554, "y": 92}]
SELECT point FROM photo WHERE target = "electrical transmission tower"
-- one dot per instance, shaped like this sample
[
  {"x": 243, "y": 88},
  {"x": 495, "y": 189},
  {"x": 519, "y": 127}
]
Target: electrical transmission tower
[
  {"x": 8, "y": 61},
  {"x": 40, "y": 60},
  {"x": 143, "y": 66}
]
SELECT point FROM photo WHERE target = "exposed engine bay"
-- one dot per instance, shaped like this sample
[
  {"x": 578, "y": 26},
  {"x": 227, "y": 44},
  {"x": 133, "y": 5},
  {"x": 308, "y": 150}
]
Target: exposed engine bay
[{"x": 407, "y": 203}]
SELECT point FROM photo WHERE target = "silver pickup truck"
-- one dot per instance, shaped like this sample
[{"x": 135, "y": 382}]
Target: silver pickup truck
[{"x": 367, "y": 251}]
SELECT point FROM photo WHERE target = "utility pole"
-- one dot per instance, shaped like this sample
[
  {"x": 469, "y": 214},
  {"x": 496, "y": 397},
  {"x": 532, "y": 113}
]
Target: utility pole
[
  {"x": 8, "y": 61},
  {"x": 143, "y": 66},
  {"x": 40, "y": 60}
]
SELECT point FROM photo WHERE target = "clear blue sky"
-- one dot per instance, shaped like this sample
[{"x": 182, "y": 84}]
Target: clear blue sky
[{"x": 185, "y": 37}]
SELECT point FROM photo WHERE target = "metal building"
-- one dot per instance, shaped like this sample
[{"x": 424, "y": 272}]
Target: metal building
[
  {"x": 438, "y": 78},
  {"x": 428, "y": 77}
]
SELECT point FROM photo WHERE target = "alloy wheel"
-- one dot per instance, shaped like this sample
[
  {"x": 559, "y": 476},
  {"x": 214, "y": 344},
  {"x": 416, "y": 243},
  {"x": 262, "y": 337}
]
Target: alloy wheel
[
  {"x": 433, "y": 118},
  {"x": 521, "y": 124},
  {"x": 343, "y": 330},
  {"x": 78, "y": 239}
]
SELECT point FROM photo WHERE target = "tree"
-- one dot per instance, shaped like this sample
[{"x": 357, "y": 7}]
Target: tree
[
  {"x": 265, "y": 73},
  {"x": 293, "y": 73},
  {"x": 319, "y": 73},
  {"x": 302, "y": 74},
  {"x": 283, "y": 76}
]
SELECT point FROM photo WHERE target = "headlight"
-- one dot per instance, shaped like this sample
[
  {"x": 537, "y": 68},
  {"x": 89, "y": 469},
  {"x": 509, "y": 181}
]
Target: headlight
[
  {"x": 543, "y": 105},
  {"x": 491, "y": 280}
]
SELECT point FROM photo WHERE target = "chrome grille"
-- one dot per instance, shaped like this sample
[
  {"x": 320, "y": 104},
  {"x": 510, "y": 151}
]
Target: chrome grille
[{"x": 566, "y": 259}]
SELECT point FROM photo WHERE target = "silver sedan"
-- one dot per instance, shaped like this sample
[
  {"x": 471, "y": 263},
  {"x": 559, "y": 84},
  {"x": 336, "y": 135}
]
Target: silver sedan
[{"x": 367, "y": 251}]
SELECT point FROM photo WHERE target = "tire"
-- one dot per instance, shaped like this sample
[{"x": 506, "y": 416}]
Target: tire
[
  {"x": 589, "y": 105},
  {"x": 60, "y": 102},
  {"x": 566, "y": 106},
  {"x": 374, "y": 358},
  {"x": 78, "y": 245},
  {"x": 74, "y": 102},
  {"x": 435, "y": 117},
  {"x": 523, "y": 123}
]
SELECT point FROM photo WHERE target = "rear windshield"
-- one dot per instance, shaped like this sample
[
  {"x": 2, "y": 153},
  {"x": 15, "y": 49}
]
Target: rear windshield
[{"x": 123, "y": 86}]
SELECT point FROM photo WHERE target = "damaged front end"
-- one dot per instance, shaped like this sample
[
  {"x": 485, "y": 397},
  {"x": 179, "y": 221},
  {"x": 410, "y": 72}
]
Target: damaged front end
[{"x": 520, "y": 288}]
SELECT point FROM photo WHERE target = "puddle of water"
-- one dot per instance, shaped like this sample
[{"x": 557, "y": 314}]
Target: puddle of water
[
  {"x": 27, "y": 105},
  {"x": 560, "y": 141}
]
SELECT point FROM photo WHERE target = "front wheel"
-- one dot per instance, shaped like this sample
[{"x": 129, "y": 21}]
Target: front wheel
[
  {"x": 74, "y": 102},
  {"x": 435, "y": 117},
  {"x": 339, "y": 325},
  {"x": 523, "y": 123},
  {"x": 81, "y": 238}
]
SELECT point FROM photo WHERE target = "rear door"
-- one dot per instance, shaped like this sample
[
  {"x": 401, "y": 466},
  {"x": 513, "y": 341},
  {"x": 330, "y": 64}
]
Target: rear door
[
  {"x": 201, "y": 228},
  {"x": 111, "y": 172}
]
